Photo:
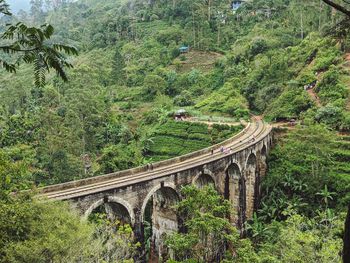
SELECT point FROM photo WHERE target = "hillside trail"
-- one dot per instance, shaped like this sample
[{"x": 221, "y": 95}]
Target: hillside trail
[
  {"x": 314, "y": 96},
  {"x": 210, "y": 122},
  {"x": 311, "y": 91}
]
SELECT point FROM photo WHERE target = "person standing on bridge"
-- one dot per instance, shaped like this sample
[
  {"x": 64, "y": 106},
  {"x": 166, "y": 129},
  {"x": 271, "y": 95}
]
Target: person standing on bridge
[{"x": 212, "y": 151}]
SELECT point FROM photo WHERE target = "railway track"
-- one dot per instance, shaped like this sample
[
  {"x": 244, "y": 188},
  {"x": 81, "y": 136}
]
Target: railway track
[{"x": 257, "y": 130}]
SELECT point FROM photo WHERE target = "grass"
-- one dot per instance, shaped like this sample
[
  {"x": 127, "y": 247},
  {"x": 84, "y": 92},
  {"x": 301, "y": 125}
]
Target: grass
[
  {"x": 201, "y": 60},
  {"x": 178, "y": 138}
]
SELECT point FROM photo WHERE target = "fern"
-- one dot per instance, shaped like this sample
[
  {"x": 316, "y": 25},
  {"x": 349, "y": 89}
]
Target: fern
[
  {"x": 33, "y": 45},
  {"x": 4, "y": 8}
]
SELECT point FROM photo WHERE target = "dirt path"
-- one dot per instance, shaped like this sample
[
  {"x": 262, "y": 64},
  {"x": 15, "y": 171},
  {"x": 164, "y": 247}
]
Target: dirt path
[
  {"x": 347, "y": 58},
  {"x": 314, "y": 97},
  {"x": 210, "y": 123},
  {"x": 312, "y": 92}
]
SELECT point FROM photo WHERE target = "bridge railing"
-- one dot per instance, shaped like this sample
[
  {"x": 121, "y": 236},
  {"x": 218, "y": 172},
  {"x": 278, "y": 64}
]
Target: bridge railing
[{"x": 140, "y": 169}]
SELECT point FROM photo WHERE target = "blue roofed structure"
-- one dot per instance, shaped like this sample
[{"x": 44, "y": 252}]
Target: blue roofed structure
[
  {"x": 236, "y": 4},
  {"x": 184, "y": 49}
]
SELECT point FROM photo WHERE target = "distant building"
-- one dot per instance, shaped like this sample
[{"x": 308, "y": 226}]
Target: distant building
[
  {"x": 181, "y": 114},
  {"x": 184, "y": 49},
  {"x": 236, "y": 4}
]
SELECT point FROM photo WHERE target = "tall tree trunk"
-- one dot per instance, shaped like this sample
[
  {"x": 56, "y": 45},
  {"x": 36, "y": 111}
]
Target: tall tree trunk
[
  {"x": 209, "y": 10},
  {"x": 320, "y": 17},
  {"x": 301, "y": 25},
  {"x": 218, "y": 39},
  {"x": 194, "y": 30},
  {"x": 338, "y": 7},
  {"x": 346, "y": 249}
]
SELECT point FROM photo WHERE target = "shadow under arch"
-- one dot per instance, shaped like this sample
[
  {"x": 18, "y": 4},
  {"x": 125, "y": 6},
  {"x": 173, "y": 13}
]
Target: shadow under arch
[
  {"x": 262, "y": 169},
  {"x": 233, "y": 174},
  {"x": 235, "y": 192},
  {"x": 115, "y": 208},
  {"x": 204, "y": 178},
  {"x": 159, "y": 218},
  {"x": 251, "y": 173},
  {"x": 168, "y": 190},
  {"x": 263, "y": 151},
  {"x": 251, "y": 160}
]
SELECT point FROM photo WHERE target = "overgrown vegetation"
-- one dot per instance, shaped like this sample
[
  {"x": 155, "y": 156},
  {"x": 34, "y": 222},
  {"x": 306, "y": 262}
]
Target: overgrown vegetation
[{"x": 283, "y": 59}]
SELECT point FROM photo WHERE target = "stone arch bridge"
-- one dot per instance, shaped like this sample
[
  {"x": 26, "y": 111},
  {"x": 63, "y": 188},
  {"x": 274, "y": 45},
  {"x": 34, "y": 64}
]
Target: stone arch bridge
[{"x": 128, "y": 195}]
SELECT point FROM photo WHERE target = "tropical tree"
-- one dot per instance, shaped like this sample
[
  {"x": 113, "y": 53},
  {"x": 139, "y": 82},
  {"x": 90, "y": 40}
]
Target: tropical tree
[
  {"x": 117, "y": 73},
  {"x": 116, "y": 239},
  {"x": 204, "y": 214},
  {"x": 32, "y": 45},
  {"x": 32, "y": 231},
  {"x": 326, "y": 195},
  {"x": 346, "y": 239},
  {"x": 256, "y": 229},
  {"x": 342, "y": 7}
]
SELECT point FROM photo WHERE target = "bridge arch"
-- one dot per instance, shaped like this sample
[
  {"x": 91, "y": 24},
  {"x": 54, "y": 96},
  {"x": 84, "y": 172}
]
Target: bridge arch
[
  {"x": 262, "y": 169},
  {"x": 117, "y": 208},
  {"x": 236, "y": 163},
  {"x": 171, "y": 189},
  {"x": 235, "y": 192},
  {"x": 263, "y": 160},
  {"x": 160, "y": 216},
  {"x": 203, "y": 178},
  {"x": 263, "y": 151},
  {"x": 251, "y": 174}
]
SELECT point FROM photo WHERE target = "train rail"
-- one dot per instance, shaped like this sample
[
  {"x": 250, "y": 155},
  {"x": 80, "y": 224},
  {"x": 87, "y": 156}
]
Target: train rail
[{"x": 255, "y": 132}]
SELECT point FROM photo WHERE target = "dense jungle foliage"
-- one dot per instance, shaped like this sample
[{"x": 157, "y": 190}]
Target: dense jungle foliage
[{"x": 281, "y": 59}]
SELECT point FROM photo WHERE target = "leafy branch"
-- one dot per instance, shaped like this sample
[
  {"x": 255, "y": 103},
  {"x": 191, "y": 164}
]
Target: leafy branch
[
  {"x": 32, "y": 46},
  {"x": 339, "y": 7}
]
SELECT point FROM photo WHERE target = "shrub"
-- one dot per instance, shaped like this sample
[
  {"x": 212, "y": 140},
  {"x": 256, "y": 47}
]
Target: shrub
[
  {"x": 182, "y": 58},
  {"x": 346, "y": 121},
  {"x": 184, "y": 99},
  {"x": 329, "y": 115},
  {"x": 154, "y": 17},
  {"x": 306, "y": 78},
  {"x": 257, "y": 46},
  {"x": 289, "y": 104},
  {"x": 194, "y": 76},
  {"x": 325, "y": 58}
]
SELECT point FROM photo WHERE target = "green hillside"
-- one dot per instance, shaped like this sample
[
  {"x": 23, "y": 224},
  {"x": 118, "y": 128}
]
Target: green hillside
[
  {"x": 178, "y": 138},
  {"x": 277, "y": 59}
]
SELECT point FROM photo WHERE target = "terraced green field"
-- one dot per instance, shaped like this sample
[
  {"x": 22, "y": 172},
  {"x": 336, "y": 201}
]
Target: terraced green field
[
  {"x": 341, "y": 168},
  {"x": 177, "y": 138}
]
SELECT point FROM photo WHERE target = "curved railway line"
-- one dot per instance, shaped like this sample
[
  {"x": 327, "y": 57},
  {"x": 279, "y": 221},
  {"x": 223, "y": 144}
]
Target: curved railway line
[{"x": 253, "y": 133}]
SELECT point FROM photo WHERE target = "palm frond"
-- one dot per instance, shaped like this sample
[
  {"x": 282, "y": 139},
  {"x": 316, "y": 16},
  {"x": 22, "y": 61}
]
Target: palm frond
[
  {"x": 33, "y": 43},
  {"x": 8, "y": 66},
  {"x": 4, "y": 8}
]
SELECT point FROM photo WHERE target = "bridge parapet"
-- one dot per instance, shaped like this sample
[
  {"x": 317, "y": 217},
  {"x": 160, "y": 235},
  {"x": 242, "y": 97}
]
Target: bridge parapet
[
  {"x": 141, "y": 169},
  {"x": 236, "y": 174}
]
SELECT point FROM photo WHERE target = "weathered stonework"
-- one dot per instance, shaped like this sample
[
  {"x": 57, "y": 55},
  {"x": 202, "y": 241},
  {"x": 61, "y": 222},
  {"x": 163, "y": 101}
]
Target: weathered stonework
[{"x": 235, "y": 175}]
